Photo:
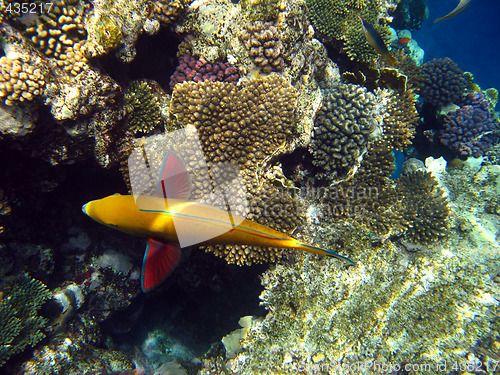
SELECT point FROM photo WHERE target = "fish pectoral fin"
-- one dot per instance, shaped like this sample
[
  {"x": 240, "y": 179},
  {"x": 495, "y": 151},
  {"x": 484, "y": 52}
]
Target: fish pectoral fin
[{"x": 159, "y": 261}]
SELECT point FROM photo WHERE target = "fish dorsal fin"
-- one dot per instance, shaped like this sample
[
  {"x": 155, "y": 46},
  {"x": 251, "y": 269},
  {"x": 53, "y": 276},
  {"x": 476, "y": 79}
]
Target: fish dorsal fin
[
  {"x": 173, "y": 179},
  {"x": 159, "y": 261}
]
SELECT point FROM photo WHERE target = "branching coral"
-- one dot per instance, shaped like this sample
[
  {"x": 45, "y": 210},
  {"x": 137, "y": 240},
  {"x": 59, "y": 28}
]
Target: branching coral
[
  {"x": 339, "y": 20},
  {"x": 426, "y": 208},
  {"x": 469, "y": 131},
  {"x": 442, "y": 82},
  {"x": 60, "y": 35},
  {"x": 143, "y": 101},
  {"x": 20, "y": 325}
]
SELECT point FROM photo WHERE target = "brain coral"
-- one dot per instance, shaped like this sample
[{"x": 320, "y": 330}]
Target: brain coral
[
  {"x": 246, "y": 125},
  {"x": 441, "y": 82},
  {"x": 342, "y": 129}
]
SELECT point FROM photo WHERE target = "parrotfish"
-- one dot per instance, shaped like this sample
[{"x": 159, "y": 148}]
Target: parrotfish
[
  {"x": 459, "y": 9},
  {"x": 375, "y": 40},
  {"x": 153, "y": 217}
]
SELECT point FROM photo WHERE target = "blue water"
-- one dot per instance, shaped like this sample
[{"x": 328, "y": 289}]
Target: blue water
[{"x": 470, "y": 38}]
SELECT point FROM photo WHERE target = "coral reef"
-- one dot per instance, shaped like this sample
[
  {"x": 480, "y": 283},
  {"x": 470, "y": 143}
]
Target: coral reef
[
  {"x": 339, "y": 20},
  {"x": 469, "y": 130},
  {"x": 266, "y": 49},
  {"x": 117, "y": 25},
  {"x": 342, "y": 129},
  {"x": 442, "y": 82},
  {"x": 168, "y": 11},
  {"x": 21, "y": 298},
  {"x": 199, "y": 70},
  {"x": 248, "y": 125},
  {"x": 426, "y": 208},
  {"x": 143, "y": 101},
  {"x": 22, "y": 75},
  {"x": 352, "y": 119},
  {"x": 323, "y": 318},
  {"x": 245, "y": 124}
]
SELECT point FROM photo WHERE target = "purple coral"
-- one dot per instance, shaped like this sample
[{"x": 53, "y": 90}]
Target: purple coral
[
  {"x": 469, "y": 130},
  {"x": 198, "y": 70}
]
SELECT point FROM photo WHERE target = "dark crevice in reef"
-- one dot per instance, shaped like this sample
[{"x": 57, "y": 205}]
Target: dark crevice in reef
[
  {"x": 199, "y": 303},
  {"x": 155, "y": 60}
]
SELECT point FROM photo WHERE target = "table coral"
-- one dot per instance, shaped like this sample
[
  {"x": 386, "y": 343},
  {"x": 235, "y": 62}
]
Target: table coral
[
  {"x": 198, "y": 70},
  {"x": 441, "y": 82}
]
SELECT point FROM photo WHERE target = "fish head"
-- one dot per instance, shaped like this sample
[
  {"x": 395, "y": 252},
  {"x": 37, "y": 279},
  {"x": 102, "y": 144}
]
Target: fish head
[{"x": 114, "y": 211}]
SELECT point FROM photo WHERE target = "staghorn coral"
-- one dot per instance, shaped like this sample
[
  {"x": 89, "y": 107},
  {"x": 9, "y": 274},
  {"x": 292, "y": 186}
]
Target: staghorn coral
[
  {"x": 143, "y": 101},
  {"x": 426, "y": 208},
  {"x": 21, "y": 297},
  {"x": 441, "y": 82},
  {"x": 339, "y": 20},
  {"x": 198, "y": 70},
  {"x": 342, "y": 129},
  {"x": 265, "y": 47}
]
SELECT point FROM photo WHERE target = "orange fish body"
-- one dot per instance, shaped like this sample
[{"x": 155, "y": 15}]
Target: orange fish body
[
  {"x": 404, "y": 40},
  {"x": 160, "y": 220}
]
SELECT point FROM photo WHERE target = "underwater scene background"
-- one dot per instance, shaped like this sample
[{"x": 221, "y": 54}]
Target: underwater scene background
[{"x": 351, "y": 146}]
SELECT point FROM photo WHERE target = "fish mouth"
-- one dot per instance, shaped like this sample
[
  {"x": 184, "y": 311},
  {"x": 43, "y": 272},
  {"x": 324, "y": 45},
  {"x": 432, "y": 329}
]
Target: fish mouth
[{"x": 84, "y": 208}]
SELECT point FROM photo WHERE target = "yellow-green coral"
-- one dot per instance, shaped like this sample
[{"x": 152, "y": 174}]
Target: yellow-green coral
[
  {"x": 338, "y": 19},
  {"x": 20, "y": 325},
  {"x": 262, "y": 10},
  {"x": 143, "y": 102}
]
